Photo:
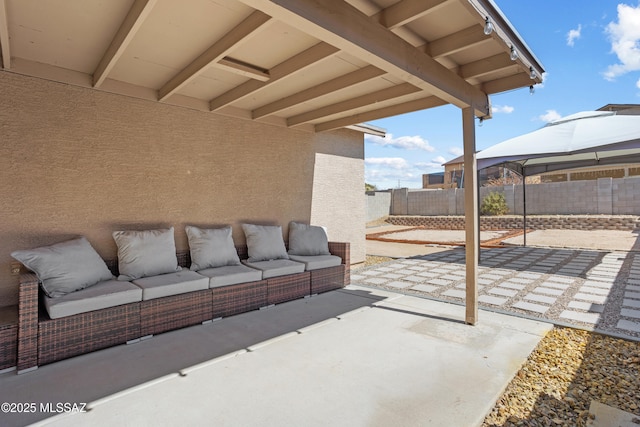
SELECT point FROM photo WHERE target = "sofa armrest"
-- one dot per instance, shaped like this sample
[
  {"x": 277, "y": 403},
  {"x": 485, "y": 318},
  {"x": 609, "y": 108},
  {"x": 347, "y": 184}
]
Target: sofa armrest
[
  {"x": 27, "y": 322},
  {"x": 342, "y": 249}
]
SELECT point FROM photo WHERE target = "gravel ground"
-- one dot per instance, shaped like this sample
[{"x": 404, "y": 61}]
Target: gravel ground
[{"x": 568, "y": 370}]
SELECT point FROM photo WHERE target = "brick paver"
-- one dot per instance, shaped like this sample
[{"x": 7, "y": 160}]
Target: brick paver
[{"x": 594, "y": 289}]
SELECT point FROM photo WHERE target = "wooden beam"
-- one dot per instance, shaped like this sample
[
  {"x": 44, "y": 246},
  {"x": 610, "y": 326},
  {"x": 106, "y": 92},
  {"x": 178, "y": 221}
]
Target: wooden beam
[
  {"x": 406, "y": 11},
  {"x": 472, "y": 232},
  {"x": 363, "y": 74},
  {"x": 485, "y": 66},
  {"x": 460, "y": 40},
  {"x": 296, "y": 63},
  {"x": 508, "y": 83},
  {"x": 4, "y": 36},
  {"x": 214, "y": 53},
  {"x": 348, "y": 29},
  {"x": 392, "y": 110},
  {"x": 242, "y": 68},
  {"x": 139, "y": 11},
  {"x": 352, "y": 104}
]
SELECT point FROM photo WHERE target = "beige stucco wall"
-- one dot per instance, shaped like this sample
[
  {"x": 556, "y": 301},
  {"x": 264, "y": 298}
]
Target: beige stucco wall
[{"x": 75, "y": 161}]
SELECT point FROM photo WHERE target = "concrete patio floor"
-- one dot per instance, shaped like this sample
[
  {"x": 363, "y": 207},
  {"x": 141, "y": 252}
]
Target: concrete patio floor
[{"x": 353, "y": 357}]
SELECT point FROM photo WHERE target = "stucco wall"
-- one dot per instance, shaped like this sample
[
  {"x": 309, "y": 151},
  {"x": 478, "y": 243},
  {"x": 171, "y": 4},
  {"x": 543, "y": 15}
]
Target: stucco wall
[{"x": 75, "y": 161}]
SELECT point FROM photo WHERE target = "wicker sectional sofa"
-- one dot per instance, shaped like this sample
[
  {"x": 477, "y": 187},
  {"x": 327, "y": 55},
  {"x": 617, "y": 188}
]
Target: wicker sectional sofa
[{"x": 43, "y": 339}]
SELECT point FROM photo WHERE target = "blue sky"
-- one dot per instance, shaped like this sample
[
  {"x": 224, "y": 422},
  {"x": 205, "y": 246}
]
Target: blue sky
[{"x": 590, "y": 50}]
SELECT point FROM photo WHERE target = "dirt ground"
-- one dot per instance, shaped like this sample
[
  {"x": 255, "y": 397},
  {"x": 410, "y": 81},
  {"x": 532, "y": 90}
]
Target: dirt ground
[{"x": 429, "y": 241}]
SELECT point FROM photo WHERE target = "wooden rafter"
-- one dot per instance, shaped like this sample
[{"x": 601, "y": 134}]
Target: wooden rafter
[
  {"x": 381, "y": 113},
  {"x": 352, "y": 104},
  {"x": 486, "y": 66},
  {"x": 348, "y": 29},
  {"x": 463, "y": 39},
  {"x": 296, "y": 63},
  {"x": 508, "y": 83},
  {"x": 214, "y": 53},
  {"x": 504, "y": 31},
  {"x": 406, "y": 11},
  {"x": 363, "y": 74},
  {"x": 130, "y": 26}
]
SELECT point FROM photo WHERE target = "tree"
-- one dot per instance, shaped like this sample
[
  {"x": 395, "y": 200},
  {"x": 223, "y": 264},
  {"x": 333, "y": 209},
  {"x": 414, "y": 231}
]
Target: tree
[{"x": 370, "y": 187}]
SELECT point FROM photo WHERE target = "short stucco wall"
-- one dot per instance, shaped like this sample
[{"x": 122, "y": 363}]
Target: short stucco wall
[{"x": 76, "y": 161}]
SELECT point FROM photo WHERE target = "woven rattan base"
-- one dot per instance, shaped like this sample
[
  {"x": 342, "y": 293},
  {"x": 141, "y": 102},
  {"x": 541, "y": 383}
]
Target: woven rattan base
[
  {"x": 175, "y": 312},
  {"x": 86, "y": 332},
  {"x": 8, "y": 345},
  {"x": 287, "y": 288},
  {"x": 239, "y": 298},
  {"x": 327, "y": 279}
]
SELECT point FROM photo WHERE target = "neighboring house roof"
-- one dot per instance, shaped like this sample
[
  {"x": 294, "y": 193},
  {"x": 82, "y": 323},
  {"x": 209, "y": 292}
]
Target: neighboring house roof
[
  {"x": 457, "y": 160},
  {"x": 624, "y": 109},
  {"x": 307, "y": 64}
]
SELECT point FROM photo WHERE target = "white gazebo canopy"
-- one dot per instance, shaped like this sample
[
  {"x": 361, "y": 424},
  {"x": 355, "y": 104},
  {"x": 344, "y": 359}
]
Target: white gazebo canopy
[{"x": 588, "y": 138}]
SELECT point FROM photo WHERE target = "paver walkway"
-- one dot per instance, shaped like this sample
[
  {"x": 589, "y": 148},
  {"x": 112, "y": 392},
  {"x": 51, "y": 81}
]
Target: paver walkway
[{"x": 593, "y": 289}]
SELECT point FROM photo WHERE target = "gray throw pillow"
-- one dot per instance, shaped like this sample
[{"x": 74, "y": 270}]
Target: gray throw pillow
[
  {"x": 211, "y": 247},
  {"x": 145, "y": 253},
  {"x": 65, "y": 267},
  {"x": 308, "y": 240},
  {"x": 264, "y": 242}
]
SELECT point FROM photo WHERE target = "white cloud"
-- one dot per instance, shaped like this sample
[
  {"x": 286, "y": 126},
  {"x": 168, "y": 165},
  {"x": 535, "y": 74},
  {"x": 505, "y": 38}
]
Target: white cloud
[
  {"x": 550, "y": 116},
  {"x": 435, "y": 165},
  {"x": 403, "y": 142},
  {"x": 573, "y": 35},
  {"x": 625, "y": 41},
  {"x": 456, "y": 151},
  {"x": 390, "y": 162},
  {"x": 507, "y": 109},
  {"x": 638, "y": 84},
  {"x": 389, "y": 172}
]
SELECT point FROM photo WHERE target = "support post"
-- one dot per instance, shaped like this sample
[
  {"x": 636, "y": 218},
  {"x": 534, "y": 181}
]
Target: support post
[
  {"x": 471, "y": 215},
  {"x": 524, "y": 207}
]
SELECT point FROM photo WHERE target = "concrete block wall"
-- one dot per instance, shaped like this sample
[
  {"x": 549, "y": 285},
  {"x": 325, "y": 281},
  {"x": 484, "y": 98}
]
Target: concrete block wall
[
  {"x": 625, "y": 196},
  {"x": 378, "y": 204},
  {"x": 562, "y": 198},
  {"x": 400, "y": 201},
  {"x": 605, "y": 196},
  {"x": 427, "y": 202}
]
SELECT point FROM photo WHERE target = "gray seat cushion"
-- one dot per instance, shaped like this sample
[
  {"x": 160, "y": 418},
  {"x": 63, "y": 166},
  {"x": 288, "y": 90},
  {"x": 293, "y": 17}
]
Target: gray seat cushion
[
  {"x": 231, "y": 275},
  {"x": 109, "y": 293},
  {"x": 165, "y": 285},
  {"x": 316, "y": 262},
  {"x": 277, "y": 267}
]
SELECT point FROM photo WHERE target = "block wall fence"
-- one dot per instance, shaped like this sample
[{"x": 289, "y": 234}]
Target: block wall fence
[{"x": 602, "y": 197}]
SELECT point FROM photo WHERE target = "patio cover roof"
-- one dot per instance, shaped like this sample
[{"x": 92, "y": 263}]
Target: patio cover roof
[{"x": 309, "y": 64}]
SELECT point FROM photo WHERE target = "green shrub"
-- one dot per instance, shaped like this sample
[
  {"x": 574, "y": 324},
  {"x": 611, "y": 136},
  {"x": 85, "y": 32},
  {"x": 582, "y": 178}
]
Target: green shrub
[{"x": 494, "y": 204}]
